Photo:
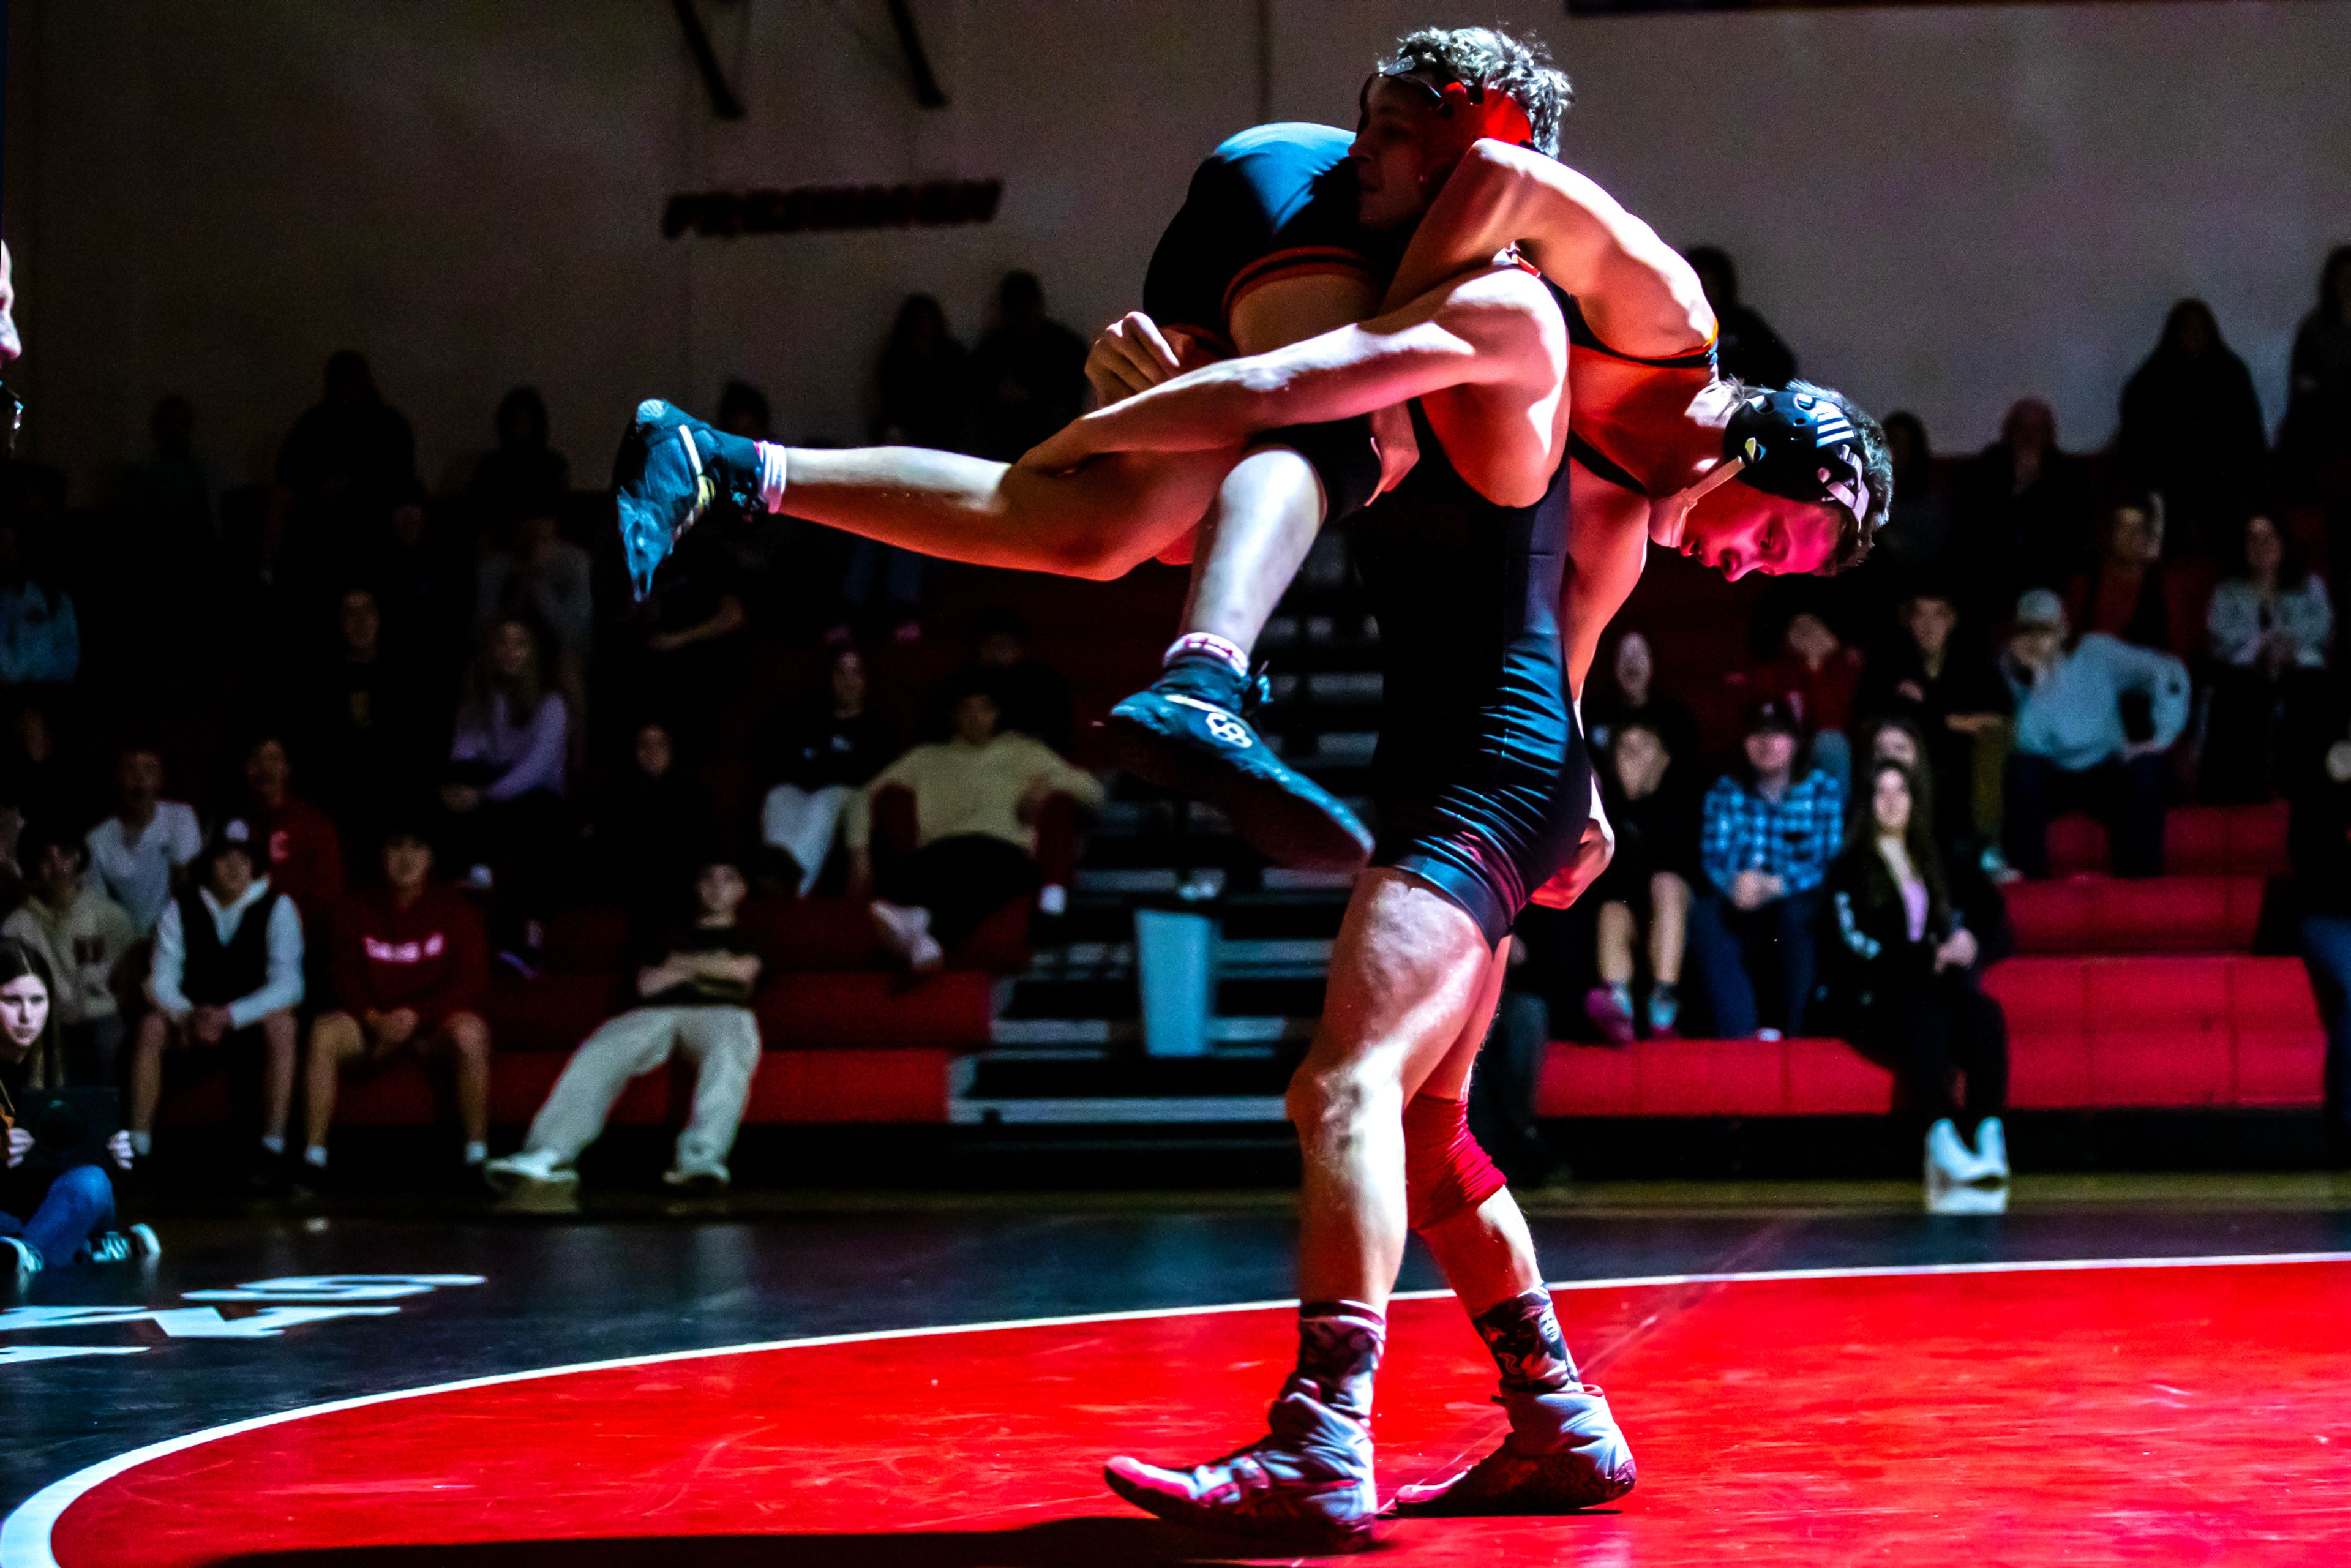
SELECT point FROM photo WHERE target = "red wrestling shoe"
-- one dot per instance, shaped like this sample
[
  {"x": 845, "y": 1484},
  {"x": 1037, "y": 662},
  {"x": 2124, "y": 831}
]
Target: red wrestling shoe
[{"x": 1564, "y": 1452}]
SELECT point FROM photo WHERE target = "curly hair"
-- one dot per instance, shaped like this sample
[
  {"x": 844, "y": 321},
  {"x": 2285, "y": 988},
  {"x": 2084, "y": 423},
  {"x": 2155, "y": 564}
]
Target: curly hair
[
  {"x": 1858, "y": 534},
  {"x": 1488, "y": 57}
]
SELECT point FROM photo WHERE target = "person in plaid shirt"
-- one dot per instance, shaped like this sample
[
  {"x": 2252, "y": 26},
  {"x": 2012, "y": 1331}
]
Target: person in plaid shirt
[{"x": 1765, "y": 846}]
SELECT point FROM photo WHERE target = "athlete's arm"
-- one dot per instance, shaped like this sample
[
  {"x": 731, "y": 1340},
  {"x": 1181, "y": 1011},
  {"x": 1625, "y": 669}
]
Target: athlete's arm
[
  {"x": 1470, "y": 333},
  {"x": 1634, "y": 289}
]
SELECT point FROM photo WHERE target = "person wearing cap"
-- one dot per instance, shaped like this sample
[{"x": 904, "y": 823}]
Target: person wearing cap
[
  {"x": 227, "y": 972},
  {"x": 1767, "y": 838},
  {"x": 305, "y": 854},
  {"x": 2073, "y": 750},
  {"x": 408, "y": 963}
]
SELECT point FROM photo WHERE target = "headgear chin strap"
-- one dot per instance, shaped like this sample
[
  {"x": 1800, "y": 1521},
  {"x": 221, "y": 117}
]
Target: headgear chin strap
[
  {"x": 1464, "y": 113},
  {"x": 1795, "y": 445}
]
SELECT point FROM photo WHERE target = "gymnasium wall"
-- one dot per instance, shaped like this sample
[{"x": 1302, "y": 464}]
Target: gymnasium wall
[{"x": 1941, "y": 208}]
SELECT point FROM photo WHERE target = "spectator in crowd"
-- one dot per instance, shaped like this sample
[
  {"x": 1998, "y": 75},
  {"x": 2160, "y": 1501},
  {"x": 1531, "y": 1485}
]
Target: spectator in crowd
[
  {"x": 1767, "y": 838},
  {"x": 685, "y": 640},
  {"x": 304, "y": 854},
  {"x": 924, "y": 380},
  {"x": 522, "y": 474},
  {"x": 31, "y": 771},
  {"x": 409, "y": 964},
  {"x": 1918, "y": 532},
  {"x": 363, "y": 720},
  {"x": 2072, "y": 750},
  {"x": 1628, "y": 694},
  {"x": 52, "y": 1212},
  {"x": 819, "y": 756},
  {"x": 542, "y": 579},
  {"x": 351, "y": 443},
  {"x": 2129, "y": 590},
  {"x": 1029, "y": 375},
  {"x": 1816, "y": 677},
  {"x": 2315, "y": 438},
  {"x": 651, "y": 827},
  {"x": 2270, "y": 626},
  {"x": 1746, "y": 347},
  {"x": 504, "y": 789},
  {"x": 1647, "y": 886},
  {"x": 2022, "y": 513},
  {"x": 172, "y": 490},
  {"x": 2321, "y": 854},
  {"x": 83, "y": 939},
  {"x": 228, "y": 976},
  {"x": 696, "y": 999},
  {"x": 1899, "y": 979},
  {"x": 1034, "y": 695},
  {"x": 2191, "y": 425},
  {"x": 40, "y": 635},
  {"x": 743, "y": 411},
  {"x": 139, "y": 853},
  {"x": 424, "y": 583},
  {"x": 977, "y": 797},
  {"x": 1951, "y": 689}
]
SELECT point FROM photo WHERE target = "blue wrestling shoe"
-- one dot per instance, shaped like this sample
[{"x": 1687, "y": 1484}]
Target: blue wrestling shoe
[
  {"x": 1564, "y": 1452},
  {"x": 670, "y": 468},
  {"x": 1185, "y": 732}
]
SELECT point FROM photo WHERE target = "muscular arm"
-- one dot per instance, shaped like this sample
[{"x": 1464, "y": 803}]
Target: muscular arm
[
  {"x": 1637, "y": 292},
  {"x": 1466, "y": 333}
]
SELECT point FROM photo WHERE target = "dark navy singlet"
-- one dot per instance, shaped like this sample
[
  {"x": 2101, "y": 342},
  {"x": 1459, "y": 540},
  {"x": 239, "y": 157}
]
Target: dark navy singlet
[{"x": 1483, "y": 783}]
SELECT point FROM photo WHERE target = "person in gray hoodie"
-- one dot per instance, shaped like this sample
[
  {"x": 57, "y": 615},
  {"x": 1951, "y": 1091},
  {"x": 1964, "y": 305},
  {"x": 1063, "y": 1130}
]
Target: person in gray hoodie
[{"x": 2073, "y": 748}]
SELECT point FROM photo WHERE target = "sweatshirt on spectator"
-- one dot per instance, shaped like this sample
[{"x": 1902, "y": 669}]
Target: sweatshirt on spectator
[
  {"x": 2237, "y": 621},
  {"x": 960, "y": 788},
  {"x": 82, "y": 944},
  {"x": 520, "y": 757},
  {"x": 705, "y": 990},
  {"x": 40, "y": 639},
  {"x": 1821, "y": 699},
  {"x": 258, "y": 971},
  {"x": 430, "y": 957},
  {"x": 2073, "y": 715},
  {"x": 306, "y": 853},
  {"x": 136, "y": 872}
]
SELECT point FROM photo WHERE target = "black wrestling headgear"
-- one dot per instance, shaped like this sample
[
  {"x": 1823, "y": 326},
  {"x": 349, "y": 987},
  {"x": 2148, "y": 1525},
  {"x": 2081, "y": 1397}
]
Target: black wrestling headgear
[{"x": 1799, "y": 445}]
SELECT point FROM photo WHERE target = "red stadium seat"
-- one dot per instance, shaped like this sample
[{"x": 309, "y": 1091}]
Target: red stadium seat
[{"x": 2161, "y": 915}]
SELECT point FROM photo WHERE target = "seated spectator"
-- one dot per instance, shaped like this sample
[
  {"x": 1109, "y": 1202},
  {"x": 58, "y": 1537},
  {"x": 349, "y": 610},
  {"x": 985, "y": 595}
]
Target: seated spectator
[
  {"x": 305, "y": 853},
  {"x": 351, "y": 443},
  {"x": 697, "y": 1001},
  {"x": 522, "y": 474},
  {"x": 2022, "y": 513},
  {"x": 32, "y": 772},
  {"x": 1745, "y": 343},
  {"x": 504, "y": 793},
  {"x": 651, "y": 827},
  {"x": 1028, "y": 373},
  {"x": 976, "y": 800},
  {"x": 541, "y": 579},
  {"x": 53, "y": 1212},
  {"x": 924, "y": 380},
  {"x": 1647, "y": 883},
  {"x": 1918, "y": 533},
  {"x": 2191, "y": 425},
  {"x": 40, "y": 636},
  {"x": 2130, "y": 591},
  {"x": 364, "y": 723},
  {"x": 227, "y": 975},
  {"x": 819, "y": 756},
  {"x": 1628, "y": 695},
  {"x": 82, "y": 938},
  {"x": 2072, "y": 750},
  {"x": 684, "y": 641},
  {"x": 1816, "y": 677},
  {"x": 1767, "y": 838},
  {"x": 139, "y": 853},
  {"x": 408, "y": 964},
  {"x": 2270, "y": 626},
  {"x": 1952, "y": 691},
  {"x": 1035, "y": 695},
  {"x": 2322, "y": 879},
  {"x": 1899, "y": 979},
  {"x": 2315, "y": 440}
]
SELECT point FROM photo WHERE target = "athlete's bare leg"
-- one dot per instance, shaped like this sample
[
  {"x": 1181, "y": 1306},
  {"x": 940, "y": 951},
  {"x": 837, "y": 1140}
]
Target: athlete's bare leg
[
  {"x": 1484, "y": 1253},
  {"x": 1268, "y": 515}
]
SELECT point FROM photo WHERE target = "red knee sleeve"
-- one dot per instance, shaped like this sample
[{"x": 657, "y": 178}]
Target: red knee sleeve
[{"x": 1445, "y": 1173}]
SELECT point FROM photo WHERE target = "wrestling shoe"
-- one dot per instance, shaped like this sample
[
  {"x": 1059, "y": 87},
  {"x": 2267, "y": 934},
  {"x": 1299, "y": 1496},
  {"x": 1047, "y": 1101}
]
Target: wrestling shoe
[
  {"x": 670, "y": 468},
  {"x": 1564, "y": 1452},
  {"x": 1185, "y": 732}
]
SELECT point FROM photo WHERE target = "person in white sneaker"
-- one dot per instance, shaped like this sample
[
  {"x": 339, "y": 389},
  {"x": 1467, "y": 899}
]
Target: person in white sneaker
[
  {"x": 1900, "y": 978},
  {"x": 697, "y": 1000},
  {"x": 53, "y": 1210}
]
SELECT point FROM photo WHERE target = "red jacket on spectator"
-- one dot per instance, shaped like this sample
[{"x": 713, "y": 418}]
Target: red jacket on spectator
[
  {"x": 431, "y": 956},
  {"x": 306, "y": 855},
  {"x": 1821, "y": 699}
]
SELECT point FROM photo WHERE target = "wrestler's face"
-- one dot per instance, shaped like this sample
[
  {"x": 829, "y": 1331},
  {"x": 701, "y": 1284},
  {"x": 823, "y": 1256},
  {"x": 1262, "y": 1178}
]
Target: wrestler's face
[
  {"x": 1392, "y": 174},
  {"x": 1736, "y": 529}
]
